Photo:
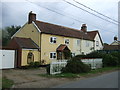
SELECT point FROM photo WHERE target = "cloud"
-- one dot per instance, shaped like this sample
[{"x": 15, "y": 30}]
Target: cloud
[{"x": 16, "y": 13}]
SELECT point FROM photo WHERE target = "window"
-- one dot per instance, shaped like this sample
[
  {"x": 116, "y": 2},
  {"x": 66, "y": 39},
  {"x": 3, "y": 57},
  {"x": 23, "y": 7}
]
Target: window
[
  {"x": 97, "y": 43},
  {"x": 66, "y": 41},
  {"x": 30, "y": 57},
  {"x": 87, "y": 44},
  {"x": 52, "y": 55},
  {"x": 53, "y": 39},
  {"x": 78, "y": 42}
]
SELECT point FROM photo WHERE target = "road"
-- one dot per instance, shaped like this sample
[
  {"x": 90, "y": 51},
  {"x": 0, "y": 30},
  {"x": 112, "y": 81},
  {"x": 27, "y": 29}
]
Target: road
[{"x": 109, "y": 80}]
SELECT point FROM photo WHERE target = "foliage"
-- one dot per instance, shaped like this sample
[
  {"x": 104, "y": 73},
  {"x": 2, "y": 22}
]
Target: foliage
[
  {"x": 75, "y": 65},
  {"x": 117, "y": 55},
  {"x": 8, "y": 32},
  {"x": 110, "y": 60},
  {"x": 34, "y": 64},
  {"x": 67, "y": 54},
  {"x": 71, "y": 75},
  {"x": 6, "y": 83}
]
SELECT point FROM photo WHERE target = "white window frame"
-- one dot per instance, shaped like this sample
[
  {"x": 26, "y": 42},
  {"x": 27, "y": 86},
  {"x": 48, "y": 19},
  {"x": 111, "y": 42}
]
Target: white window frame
[
  {"x": 67, "y": 41},
  {"x": 97, "y": 43},
  {"x": 53, "y": 55},
  {"x": 53, "y": 38}
]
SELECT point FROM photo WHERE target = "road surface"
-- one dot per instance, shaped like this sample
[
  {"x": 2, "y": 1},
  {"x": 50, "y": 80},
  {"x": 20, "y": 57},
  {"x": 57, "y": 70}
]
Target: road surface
[{"x": 109, "y": 80}]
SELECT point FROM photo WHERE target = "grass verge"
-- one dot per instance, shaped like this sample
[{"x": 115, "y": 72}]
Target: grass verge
[
  {"x": 6, "y": 83},
  {"x": 71, "y": 75}
]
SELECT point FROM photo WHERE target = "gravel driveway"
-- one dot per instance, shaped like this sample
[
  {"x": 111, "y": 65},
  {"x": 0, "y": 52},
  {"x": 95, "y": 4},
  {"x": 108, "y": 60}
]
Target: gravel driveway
[{"x": 30, "y": 79}]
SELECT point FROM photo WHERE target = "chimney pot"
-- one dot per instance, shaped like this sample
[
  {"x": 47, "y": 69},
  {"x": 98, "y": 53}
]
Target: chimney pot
[
  {"x": 115, "y": 38},
  {"x": 31, "y": 17},
  {"x": 84, "y": 28}
]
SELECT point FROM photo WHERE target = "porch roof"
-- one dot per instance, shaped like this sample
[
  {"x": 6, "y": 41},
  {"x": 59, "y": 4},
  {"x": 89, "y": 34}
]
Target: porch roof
[{"x": 63, "y": 47}]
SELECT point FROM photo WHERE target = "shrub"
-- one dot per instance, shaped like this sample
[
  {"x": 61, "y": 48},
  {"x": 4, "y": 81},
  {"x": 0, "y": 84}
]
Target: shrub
[
  {"x": 34, "y": 64},
  {"x": 117, "y": 55},
  {"x": 110, "y": 60},
  {"x": 75, "y": 65},
  {"x": 95, "y": 55}
]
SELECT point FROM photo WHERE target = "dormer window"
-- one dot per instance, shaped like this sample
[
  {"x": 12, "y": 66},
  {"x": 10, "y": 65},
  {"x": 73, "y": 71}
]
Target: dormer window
[
  {"x": 53, "y": 40},
  {"x": 66, "y": 41}
]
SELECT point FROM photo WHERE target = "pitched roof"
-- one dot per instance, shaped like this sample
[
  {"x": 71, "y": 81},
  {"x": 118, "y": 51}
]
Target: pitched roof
[
  {"x": 111, "y": 47},
  {"x": 53, "y": 29},
  {"x": 62, "y": 47},
  {"x": 115, "y": 43},
  {"x": 92, "y": 34},
  {"x": 26, "y": 43}
]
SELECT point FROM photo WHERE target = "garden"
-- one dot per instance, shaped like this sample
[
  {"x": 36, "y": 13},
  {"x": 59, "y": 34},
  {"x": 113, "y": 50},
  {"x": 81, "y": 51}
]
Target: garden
[{"x": 76, "y": 67}]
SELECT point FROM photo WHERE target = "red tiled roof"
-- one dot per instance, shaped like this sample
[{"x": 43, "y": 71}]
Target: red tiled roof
[
  {"x": 53, "y": 29},
  {"x": 26, "y": 43},
  {"x": 62, "y": 47},
  {"x": 92, "y": 34}
]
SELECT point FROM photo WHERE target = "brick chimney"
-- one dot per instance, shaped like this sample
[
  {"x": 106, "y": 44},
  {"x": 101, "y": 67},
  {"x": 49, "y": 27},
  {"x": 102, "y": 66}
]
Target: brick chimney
[
  {"x": 84, "y": 28},
  {"x": 31, "y": 17}
]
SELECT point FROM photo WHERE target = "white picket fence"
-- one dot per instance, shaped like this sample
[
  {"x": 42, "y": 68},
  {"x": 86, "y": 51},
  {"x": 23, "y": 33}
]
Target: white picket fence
[{"x": 56, "y": 66}]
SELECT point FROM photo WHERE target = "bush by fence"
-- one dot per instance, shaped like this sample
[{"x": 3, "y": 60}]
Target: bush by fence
[
  {"x": 75, "y": 65},
  {"x": 109, "y": 59}
]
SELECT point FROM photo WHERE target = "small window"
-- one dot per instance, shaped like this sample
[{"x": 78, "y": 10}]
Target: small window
[
  {"x": 66, "y": 41},
  {"x": 97, "y": 43},
  {"x": 87, "y": 44},
  {"x": 52, "y": 55},
  {"x": 53, "y": 39},
  {"x": 78, "y": 42}
]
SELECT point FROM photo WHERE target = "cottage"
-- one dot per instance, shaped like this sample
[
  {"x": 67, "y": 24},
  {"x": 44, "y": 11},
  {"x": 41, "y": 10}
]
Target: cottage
[
  {"x": 45, "y": 42},
  {"x": 114, "y": 46}
]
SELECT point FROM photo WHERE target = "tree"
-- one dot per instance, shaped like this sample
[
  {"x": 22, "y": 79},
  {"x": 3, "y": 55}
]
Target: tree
[{"x": 8, "y": 32}]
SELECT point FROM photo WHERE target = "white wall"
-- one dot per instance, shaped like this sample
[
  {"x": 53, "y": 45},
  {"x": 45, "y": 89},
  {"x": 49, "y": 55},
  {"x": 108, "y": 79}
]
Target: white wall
[
  {"x": 97, "y": 38},
  {"x": 86, "y": 49},
  {"x": 8, "y": 58},
  {"x": 78, "y": 49}
]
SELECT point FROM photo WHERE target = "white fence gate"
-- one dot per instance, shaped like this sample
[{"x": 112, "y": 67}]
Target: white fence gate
[
  {"x": 7, "y": 59},
  {"x": 56, "y": 66}
]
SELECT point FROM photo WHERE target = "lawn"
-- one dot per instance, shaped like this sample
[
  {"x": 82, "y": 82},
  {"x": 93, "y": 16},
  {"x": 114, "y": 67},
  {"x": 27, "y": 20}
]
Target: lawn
[
  {"x": 6, "y": 83},
  {"x": 71, "y": 75}
]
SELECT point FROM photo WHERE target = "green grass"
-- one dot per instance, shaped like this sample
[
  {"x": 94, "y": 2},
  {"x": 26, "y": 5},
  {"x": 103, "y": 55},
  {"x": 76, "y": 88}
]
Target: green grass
[
  {"x": 71, "y": 75},
  {"x": 6, "y": 83}
]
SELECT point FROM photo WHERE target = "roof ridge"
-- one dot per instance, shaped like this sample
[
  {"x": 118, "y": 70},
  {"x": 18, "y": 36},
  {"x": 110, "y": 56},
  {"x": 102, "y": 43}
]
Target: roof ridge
[{"x": 59, "y": 25}]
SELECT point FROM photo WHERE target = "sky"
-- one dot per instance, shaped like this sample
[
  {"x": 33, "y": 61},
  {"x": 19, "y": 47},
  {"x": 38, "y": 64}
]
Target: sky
[{"x": 15, "y": 12}]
